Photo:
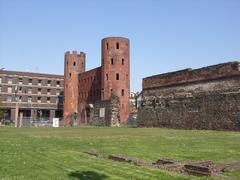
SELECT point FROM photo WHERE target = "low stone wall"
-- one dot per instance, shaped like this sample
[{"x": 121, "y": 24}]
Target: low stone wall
[
  {"x": 207, "y": 104},
  {"x": 220, "y": 111},
  {"x": 106, "y": 113}
]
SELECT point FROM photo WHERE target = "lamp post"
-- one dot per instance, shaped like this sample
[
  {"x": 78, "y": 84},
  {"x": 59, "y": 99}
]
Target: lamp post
[{"x": 16, "y": 106}]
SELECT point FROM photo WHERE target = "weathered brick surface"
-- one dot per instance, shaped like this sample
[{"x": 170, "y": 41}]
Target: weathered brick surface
[
  {"x": 82, "y": 89},
  {"x": 89, "y": 91},
  {"x": 74, "y": 64},
  {"x": 189, "y": 75},
  {"x": 116, "y": 61},
  {"x": 212, "y": 103}
]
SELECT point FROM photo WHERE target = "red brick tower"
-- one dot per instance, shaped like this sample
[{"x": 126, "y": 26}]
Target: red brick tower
[
  {"x": 116, "y": 72},
  {"x": 74, "y": 64}
]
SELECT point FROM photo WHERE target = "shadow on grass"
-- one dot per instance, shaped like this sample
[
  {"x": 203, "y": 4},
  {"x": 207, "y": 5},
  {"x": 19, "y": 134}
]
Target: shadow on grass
[{"x": 87, "y": 175}]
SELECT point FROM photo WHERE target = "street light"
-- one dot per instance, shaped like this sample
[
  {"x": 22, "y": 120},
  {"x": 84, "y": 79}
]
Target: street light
[{"x": 16, "y": 106}]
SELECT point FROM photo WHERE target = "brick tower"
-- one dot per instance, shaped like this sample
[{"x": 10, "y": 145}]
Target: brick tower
[
  {"x": 74, "y": 64},
  {"x": 116, "y": 72}
]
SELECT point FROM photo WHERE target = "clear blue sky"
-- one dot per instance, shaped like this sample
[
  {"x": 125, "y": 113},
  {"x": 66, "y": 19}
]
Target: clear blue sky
[{"x": 165, "y": 35}]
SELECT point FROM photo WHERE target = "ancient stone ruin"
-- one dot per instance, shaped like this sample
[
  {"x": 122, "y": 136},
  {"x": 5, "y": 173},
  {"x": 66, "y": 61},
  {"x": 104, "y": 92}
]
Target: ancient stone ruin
[
  {"x": 205, "y": 98},
  {"x": 195, "y": 168},
  {"x": 106, "y": 113}
]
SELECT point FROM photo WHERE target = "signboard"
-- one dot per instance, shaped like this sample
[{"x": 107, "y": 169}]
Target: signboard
[
  {"x": 102, "y": 112},
  {"x": 55, "y": 122}
]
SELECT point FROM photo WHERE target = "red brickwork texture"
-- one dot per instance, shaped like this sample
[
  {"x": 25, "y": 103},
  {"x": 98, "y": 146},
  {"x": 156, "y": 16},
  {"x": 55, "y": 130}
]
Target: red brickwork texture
[
  {"x": 74, "y": 64},
  {"x": 82, "y": 89},
  {"x": 116, "y": 72}
]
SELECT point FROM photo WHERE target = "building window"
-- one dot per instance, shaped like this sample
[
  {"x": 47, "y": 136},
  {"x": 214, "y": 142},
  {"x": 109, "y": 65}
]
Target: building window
[
  {"x": 106, "y": 76},
  {"x": 29, "y": 90},
  {"x": 30, "y": 81},
  {"x": 29, "y": 99},
  {"x": 74, "y": 63},
  {"x": 117, "y": 45},
  {"x": 20, "y": 89},
  {"x": 20, "y": 81},
  {"x": 111, "y": 60},
  {"x": 122, "y": 61},
  {"x": 107, "y": 45},
  {"x": 122, "y": 92},
  {"x": 9, "y": 80},
  {"x": 48, "y": 99},
  {"x": 0, "y": 80},
  {"x": 39, "y": 90},
  {"x": 9, "y": 90},
  {"x": 48, "y": 92},
  {"x": 58, "y": 92},
  {"x": 49, "y": 83},
  {"x": 9, "y": 98},
  {"x": 57, "y": 100},
  {"x": 19, "y": 98},
  {"x": 117, "y": 76},
  {"x": 58, "y": 83},
  {"x": 39, "y": 82},
  {"x": 39, "y": 99},
  {"x": 70, "y": 74}
]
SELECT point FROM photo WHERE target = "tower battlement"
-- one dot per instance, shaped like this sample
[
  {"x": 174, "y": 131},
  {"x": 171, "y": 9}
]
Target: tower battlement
[{"x": 74, "y": 53}]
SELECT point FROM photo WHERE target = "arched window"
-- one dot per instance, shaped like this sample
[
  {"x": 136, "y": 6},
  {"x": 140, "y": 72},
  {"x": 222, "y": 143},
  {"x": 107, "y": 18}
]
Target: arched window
[
  {"x": 117, "y": 45},
  {"x": 74, "y": 63},
  {"x": 117, "y": 76},
  {"x": 106, "y": 76},
  {"x": 122, "y": 92},
  {"x": 107, "y": 45},
  {"x": 111, "y": 60},
  {"x": 122, "y": 61}
]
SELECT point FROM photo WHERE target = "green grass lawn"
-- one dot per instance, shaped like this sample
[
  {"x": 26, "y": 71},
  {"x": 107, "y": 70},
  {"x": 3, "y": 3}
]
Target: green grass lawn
[{"x": 47, "y": 153}]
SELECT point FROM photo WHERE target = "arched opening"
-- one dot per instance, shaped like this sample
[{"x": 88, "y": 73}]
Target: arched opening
[
  {"x": 122, "y": 61},
  {"x": 117, "y": 76}
]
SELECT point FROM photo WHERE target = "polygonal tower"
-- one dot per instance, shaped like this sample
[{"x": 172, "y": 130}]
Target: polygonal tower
[
  {"x": 116, "y": 72},
  {"x": 73, "y": 66}
]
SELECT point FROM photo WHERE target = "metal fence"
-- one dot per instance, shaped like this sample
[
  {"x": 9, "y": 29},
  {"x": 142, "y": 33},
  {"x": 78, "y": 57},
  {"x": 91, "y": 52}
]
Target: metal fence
[{"x": 29, "y": 122}]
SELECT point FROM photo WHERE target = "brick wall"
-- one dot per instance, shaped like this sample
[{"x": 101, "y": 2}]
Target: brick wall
[{"x": 206, "y": 98}]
